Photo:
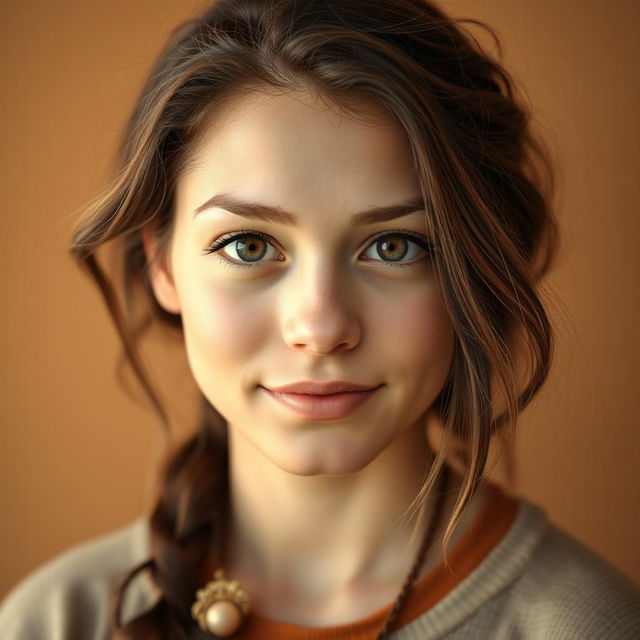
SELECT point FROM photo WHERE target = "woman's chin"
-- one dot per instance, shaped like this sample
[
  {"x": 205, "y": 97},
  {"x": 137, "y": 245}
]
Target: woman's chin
[{"x": 325, "y": 462}]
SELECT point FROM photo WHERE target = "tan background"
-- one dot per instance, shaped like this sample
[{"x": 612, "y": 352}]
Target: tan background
[{"x": 76, "y": 453}]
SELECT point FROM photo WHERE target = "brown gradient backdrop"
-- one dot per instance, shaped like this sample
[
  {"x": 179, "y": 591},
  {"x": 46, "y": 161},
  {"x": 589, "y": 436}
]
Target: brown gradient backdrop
[{"x": 77, "y": 453}]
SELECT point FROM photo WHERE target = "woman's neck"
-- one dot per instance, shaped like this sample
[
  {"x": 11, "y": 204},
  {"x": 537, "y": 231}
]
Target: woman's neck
[{"x": 320, "y": 550}]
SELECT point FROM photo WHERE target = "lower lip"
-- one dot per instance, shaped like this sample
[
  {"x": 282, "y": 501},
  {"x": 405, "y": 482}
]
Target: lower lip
[{"x": 327, "y": 407}]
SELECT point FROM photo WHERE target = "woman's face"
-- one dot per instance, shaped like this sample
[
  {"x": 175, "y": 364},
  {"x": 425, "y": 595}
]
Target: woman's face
[{"x": 317, "y": 295}]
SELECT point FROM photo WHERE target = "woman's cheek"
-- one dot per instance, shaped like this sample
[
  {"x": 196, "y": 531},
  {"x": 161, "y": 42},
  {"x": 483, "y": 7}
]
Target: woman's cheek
[
  {"x": 222, "y": 326},
  {"x": 424, "y": 332}
]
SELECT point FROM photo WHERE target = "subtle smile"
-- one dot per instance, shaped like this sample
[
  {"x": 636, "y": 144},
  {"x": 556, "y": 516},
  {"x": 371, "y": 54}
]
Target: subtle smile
[{"x": 325, "y": 406}]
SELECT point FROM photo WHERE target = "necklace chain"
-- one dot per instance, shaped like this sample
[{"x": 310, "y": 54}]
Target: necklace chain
[{"x": 420, "y": 558}]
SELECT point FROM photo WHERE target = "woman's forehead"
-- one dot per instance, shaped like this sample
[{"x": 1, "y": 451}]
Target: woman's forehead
[{"x": 297, "y": 149}]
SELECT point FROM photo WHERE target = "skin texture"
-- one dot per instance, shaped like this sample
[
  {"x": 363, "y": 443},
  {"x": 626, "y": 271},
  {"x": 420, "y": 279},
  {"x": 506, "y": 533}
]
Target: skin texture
[{"x": 314, "y": 535}]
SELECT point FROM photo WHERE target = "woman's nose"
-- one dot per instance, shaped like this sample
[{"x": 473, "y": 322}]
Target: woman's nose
[{"x": 319, "y": 312}]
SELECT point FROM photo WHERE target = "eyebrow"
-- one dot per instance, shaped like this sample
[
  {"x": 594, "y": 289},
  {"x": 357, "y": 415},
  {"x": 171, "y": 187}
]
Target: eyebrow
[{"x": 258, "y": 211}]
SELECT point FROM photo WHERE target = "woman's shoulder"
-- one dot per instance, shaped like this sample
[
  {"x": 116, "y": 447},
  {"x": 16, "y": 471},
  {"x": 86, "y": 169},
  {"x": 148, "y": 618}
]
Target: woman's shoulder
[
  {"x": 576, "y": 592},
  {"x": 555, "y": 586},
  {"x": 69, "y": 595},
  {"x": 538, "y": 582}
]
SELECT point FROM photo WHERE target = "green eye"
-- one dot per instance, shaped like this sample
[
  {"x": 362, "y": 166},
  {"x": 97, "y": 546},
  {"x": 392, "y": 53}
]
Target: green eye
[
  {"x": 395, "y": 248},
  {"x": 249, "y": 247}
]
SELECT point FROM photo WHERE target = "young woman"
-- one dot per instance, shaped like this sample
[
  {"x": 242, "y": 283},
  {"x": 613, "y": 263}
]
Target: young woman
[{"x": 340, "y": 207}]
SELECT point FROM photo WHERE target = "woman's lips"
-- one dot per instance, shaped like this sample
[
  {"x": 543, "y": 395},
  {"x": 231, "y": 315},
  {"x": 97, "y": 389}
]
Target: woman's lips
[{"x": 322, "y": 407}]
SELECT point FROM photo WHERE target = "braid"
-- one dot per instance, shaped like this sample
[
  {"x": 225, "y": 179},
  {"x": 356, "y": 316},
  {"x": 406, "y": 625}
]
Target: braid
[{"x": 186, "y": 519}]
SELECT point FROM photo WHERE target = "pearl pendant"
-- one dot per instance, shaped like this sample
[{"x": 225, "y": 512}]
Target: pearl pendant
[
  {"x": 220, "y": 606},
  {"x": 223, "y": 618}
]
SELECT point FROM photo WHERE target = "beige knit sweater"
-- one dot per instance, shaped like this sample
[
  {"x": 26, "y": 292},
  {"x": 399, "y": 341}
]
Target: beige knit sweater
[{"x": 537, "y": 583}]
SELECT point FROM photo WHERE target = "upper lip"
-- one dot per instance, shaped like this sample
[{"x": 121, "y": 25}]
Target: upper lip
[{"x": 322, "y": 388}]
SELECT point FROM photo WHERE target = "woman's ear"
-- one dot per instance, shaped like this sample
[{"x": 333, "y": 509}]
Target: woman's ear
[{"x": 160, "y": 273}]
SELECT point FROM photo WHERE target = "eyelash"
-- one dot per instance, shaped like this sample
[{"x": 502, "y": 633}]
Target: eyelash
[{"x": 223, "y": 241}]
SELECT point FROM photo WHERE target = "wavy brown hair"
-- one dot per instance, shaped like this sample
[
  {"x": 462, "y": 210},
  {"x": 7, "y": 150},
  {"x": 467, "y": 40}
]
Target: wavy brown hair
[{"x": 486, "y": 184}]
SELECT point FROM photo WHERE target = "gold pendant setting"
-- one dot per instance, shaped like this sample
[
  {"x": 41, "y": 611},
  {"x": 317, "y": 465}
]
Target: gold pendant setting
[{"x": 221, "y": 606}]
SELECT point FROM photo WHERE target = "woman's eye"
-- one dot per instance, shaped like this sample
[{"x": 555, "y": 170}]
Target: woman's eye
[
  {"x": 397, "y": 248},
  {"x": 243, "y": 249}
]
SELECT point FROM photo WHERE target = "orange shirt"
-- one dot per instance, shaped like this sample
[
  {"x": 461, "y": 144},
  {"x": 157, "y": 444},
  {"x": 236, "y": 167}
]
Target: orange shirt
[{"x": 491, "y": 524}]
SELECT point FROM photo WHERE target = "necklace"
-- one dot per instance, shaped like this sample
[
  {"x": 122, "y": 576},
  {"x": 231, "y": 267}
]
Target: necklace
[{"x": 222, "y": 604}]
